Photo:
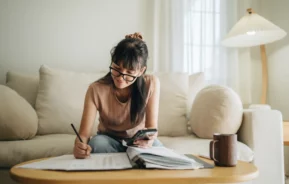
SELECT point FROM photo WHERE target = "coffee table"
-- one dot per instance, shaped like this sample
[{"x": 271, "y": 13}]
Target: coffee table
[{"x": 242, "y": 172}]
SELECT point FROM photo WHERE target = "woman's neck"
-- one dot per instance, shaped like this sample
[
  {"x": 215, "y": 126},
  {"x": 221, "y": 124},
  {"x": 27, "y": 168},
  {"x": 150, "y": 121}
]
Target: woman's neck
[
  {"x": 124, "y": 91},
  {"x": 123, "y": 94}
]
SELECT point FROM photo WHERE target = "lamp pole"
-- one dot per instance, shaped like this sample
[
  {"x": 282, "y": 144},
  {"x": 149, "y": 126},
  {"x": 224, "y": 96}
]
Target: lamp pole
[
  {"x": 264, "y": 74},
  {"x": 264, "y": 68}
]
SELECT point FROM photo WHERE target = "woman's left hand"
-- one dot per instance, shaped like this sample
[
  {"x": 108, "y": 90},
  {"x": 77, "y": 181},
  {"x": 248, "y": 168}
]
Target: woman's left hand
[{"x": 142, "y": 143}]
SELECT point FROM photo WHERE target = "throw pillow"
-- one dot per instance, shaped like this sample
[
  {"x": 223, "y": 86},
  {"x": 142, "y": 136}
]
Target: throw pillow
[
  {"x": 60, "y": 99},
  {"x": 25, "y": 85},
  {"x": 18, "y": 120},
  {"x": 216, "y": 109}
]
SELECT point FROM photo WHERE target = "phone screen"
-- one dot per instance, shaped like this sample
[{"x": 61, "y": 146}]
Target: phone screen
[{"x": 142, "y": 135}]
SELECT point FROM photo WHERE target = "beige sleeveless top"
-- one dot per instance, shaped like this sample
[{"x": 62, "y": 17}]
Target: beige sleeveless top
[{"x": 114, "y": 116}]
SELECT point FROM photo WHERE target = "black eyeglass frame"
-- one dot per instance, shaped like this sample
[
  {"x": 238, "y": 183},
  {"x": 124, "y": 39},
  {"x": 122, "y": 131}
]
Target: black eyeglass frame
[{"x": 122, "y": 74}]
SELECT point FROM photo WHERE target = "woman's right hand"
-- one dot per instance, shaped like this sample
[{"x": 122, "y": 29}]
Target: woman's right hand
[{"x": 81, "y": 150}]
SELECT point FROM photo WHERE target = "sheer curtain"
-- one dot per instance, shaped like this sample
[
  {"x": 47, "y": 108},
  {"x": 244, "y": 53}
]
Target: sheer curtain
[
  {"x": 203, "y": 32},
  {"x": 187, "y": 36}
]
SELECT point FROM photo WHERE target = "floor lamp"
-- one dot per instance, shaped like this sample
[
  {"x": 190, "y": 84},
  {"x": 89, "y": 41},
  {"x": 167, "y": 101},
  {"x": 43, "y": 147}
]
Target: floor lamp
[{"x": 254, "y": 30}]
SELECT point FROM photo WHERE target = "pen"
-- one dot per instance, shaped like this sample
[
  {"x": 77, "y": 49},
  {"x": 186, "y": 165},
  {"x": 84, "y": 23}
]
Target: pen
[
  {"x": 204, "y": 156},
  {"x": 76, "y": 133}
]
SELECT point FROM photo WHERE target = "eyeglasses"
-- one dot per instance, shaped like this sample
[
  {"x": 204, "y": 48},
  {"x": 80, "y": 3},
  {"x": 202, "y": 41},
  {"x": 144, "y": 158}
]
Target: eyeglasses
[{"x": 126, "y": 77}]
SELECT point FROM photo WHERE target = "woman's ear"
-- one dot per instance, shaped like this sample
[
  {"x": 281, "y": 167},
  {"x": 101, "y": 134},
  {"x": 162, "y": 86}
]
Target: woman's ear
[{"x": 143, "y": 69}]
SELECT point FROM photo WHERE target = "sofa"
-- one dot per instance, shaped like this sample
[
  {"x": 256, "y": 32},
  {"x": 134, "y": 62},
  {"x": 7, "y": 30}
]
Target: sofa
[{"x": 41, "y": 107}]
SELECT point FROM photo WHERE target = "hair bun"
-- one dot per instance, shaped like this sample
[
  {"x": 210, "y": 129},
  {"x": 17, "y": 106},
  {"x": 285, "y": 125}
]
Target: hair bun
[{"x": 135, "y": 35}]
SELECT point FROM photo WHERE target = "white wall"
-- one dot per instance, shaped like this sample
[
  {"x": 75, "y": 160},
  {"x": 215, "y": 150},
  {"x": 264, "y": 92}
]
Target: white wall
[
  {"x": 278, "y": 59},
  {"x": 78, "y": 35},
  {"x": 70, "y": 34}
]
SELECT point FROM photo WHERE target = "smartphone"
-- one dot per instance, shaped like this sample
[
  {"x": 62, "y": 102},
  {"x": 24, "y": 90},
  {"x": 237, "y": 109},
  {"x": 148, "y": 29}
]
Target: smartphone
[{"x": 141, "y": 135}]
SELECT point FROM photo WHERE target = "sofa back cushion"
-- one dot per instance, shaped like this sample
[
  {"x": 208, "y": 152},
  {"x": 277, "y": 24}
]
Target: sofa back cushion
[
  {"x": 197, "y": 82},
  {"x": 60, "y": 100},
  {"x": 173, "y": 104},
  {"x": 61, "y": 96},
  {"x": 24, "y": 84}
]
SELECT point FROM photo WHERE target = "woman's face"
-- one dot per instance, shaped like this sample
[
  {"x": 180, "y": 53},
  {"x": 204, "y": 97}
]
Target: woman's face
[{"x": 123, "y": 77}]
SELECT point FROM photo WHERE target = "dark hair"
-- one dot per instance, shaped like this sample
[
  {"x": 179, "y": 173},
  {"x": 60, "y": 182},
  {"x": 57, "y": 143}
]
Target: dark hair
[{"x": 132, "y": 53}]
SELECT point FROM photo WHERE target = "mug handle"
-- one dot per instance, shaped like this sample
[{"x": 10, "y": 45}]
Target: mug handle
[{"x": 212, "y": 150}]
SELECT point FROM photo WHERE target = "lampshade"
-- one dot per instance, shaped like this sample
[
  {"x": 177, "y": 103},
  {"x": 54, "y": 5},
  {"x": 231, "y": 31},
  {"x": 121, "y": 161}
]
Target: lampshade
[{"x": 252, "y": 30}]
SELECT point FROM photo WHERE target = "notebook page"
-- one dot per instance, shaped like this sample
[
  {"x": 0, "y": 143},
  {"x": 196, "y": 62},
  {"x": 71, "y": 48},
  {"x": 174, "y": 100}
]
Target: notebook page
[{"x": 103, "y": 161}]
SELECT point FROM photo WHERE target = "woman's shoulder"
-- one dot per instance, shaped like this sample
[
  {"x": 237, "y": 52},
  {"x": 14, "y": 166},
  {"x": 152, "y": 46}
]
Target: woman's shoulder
[
  {"x": 152, "y": 81},
  {"x": 98, "y": 86},
  {"x": 151, "y": 78}
]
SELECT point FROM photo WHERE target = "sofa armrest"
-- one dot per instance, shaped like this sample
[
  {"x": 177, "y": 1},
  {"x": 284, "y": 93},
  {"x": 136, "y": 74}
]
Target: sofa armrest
[
  {"x": 260, "y": 106},
  {"x": 262, "y": 131}
]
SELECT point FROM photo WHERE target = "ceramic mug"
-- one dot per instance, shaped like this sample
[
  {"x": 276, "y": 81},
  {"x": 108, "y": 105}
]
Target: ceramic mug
[{"x": 223, "y": 149}]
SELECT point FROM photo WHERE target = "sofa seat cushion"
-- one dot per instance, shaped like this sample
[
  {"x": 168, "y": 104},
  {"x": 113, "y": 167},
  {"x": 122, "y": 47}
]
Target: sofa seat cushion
[
  {"x": 15, "y": 152},
  {"x": 197, "y": 146},
  {"x": 51, "y": 145}
]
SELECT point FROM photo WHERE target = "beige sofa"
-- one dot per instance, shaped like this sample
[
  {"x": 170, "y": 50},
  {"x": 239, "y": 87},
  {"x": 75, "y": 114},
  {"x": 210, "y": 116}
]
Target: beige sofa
[{"x": 43, "y": 107}]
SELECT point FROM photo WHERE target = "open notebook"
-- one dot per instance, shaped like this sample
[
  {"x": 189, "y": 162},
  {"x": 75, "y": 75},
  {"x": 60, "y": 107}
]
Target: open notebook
[{"x": 155, "y": 157}]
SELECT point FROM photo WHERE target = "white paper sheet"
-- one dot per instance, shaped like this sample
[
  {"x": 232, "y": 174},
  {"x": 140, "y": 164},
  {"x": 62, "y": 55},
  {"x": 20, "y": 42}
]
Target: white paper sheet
[{"x": 102, "y": 161}]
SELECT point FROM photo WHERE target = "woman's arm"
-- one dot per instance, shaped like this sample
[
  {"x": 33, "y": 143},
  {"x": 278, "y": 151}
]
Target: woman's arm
[
  {"x": 82, "y": 150},
  {"x": 88, "y": 116},
  {"x": 152, "y": 109}
]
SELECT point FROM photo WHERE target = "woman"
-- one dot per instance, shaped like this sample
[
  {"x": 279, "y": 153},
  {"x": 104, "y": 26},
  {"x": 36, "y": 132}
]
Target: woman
[{"x": 126, "y": 99}]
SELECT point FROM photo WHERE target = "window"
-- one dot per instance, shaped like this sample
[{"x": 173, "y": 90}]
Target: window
[{"x": 202, "y": 36}]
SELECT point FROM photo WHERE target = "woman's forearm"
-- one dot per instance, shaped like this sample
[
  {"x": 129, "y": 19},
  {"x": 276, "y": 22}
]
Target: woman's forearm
[
  {"x": 86, "y": 127},
  {"x": 88, "y": 116}
]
